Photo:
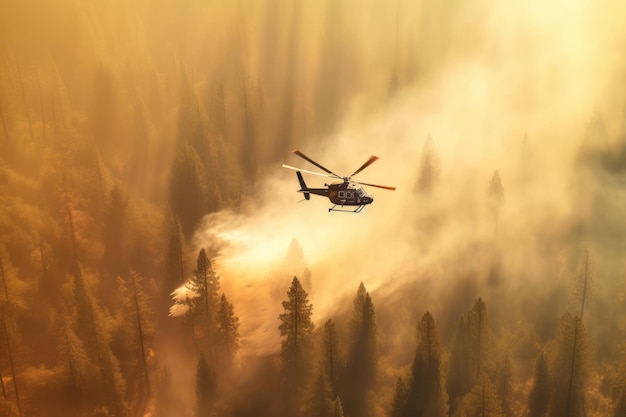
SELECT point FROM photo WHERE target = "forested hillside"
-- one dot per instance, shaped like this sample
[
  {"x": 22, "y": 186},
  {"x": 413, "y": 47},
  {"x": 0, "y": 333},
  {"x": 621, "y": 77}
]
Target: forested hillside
[{"x": 156, "y": 261}]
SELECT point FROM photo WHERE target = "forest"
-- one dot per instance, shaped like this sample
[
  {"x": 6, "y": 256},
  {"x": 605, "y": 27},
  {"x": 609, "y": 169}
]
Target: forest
[{"x": 156, "y": 260}]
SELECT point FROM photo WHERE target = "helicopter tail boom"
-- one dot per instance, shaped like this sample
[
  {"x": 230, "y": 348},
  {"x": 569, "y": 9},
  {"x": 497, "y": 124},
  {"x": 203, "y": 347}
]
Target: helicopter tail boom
[{"x": 303, "y": 187}]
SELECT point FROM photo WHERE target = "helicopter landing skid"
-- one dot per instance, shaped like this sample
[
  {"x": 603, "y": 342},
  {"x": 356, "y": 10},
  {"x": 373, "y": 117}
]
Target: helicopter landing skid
[{"x": 357, "y": 210}]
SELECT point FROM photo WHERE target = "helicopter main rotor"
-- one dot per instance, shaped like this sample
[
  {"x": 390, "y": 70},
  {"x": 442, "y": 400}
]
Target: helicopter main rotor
[{"x": 331, "y": 174}]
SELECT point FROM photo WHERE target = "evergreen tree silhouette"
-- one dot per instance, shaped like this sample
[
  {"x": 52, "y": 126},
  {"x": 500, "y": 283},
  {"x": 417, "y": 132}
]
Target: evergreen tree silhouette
[{"x": 296, "y": 328}]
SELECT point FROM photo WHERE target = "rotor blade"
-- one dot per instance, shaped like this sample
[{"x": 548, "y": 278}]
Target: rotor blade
[
  {"x": 304, "y": 170},
  {"x": 365, "y": 165},
  {"x": 374, "y": 185},
  {"x": 306, "y": 158}
]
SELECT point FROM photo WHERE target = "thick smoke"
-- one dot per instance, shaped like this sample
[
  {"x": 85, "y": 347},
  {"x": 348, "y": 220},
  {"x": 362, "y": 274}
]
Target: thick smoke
[{"x": 518, "y": 99}]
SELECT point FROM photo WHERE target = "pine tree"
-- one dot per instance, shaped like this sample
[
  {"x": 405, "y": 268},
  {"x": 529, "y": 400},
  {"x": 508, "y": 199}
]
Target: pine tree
[
  {"x": 479, "y": 338},
  {"x": 138, "y": 322},
  {"x": 459, "y": 380},
  {"x": 400, "y": 399},
  {"x": 227, "y": 330},
  {"x": 326, "y": 383},
  {"x": 202, "y": 301},
  {"x": 427, "y": 394},
  {"x": 360, "y": 375},
  {"x": 296, "y": 328},
  {"x": 322, "y": 404},
  {"x": 358, "y": 303},
  {"x": 331, "y": 359},
  {"x": 90, "y": 327},
  {"x": 115, "y": 259},
  {"x": 539, "y": 398},
  {"x": 205, "y": 389},
  {"x": 482, "y": 401},
  {"x": 571, "y": 367},
  {"x": 75, "y": 361},
  {"x": 504, "y": 384},
  {"x": 188, "y": 188},
  {"x": 470, "y": 355}
]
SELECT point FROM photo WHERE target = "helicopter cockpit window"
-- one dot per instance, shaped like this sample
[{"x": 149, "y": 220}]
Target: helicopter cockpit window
[{"x": 360, "y": 192}]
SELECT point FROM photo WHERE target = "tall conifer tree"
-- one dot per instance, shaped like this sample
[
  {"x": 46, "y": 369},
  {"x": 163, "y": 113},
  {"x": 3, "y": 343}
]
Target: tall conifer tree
[
  {"x": 203, "y": 303},
  {"x": 227, "y": 330},
  {"x": 571, "y": 368},
  {"x": 296, "y": 328},
  {"x": 332, "y": 362},
  {"x": 427, "y": 395},
  {"x": 539, "y": 398},
  {"x": 360, "y": 375}
]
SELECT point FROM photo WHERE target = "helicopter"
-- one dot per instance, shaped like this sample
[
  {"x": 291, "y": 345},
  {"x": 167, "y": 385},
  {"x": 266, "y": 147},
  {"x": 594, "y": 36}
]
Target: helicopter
[{"x": 344, "y": 193}]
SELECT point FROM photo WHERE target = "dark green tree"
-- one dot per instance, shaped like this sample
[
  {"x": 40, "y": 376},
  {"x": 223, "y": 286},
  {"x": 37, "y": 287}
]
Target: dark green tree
[
  {"x": 481, "y": 401},
  {"x": 539, "y": 398},
  {"x": 571, "y": 368},
  {"x": 470, "y": 356},
  {"x": 460, "y": 377},
  {"x": 322, "y": 404},
  {"x": 137, "y": 319},
  {"x": 227, "y": 330},
  {"x": 331, "y": 356},
  {"x": 360, "y": 375},
  {"x": 91, "y": 327},
  {"x": 296, "y": 328},
  {"x": 327, "y": 380},
  {"x": 400, "y": 399},
  {"x": 427, "y": 394},
  {"x": 202, "y": 302},
  {"x": 504, "y": 384},
  {"x": 73, "y": 357},
  {"x": 479, "y": 339},
  {"x": 188, "y": 188}
]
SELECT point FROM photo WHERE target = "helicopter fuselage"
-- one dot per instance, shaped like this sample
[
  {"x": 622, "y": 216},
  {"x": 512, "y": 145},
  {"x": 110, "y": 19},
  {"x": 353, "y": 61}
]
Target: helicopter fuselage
[{"x": 344, "y": 193}]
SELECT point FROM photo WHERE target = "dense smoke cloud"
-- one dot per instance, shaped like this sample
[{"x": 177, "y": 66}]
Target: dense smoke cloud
[{"x": 518, "y": 100}]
